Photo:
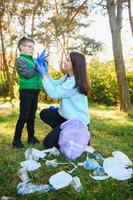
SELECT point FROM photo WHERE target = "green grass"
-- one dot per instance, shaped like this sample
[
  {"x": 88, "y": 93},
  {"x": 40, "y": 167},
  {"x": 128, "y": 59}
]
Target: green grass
[{"x": 110, "y": 130}]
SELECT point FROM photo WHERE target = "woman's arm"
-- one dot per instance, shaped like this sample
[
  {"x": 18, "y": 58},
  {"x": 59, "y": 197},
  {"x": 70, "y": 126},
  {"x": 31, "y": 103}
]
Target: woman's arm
[
  {"x": 56, "y": 82},
  {"x": 65, "y": 89}
]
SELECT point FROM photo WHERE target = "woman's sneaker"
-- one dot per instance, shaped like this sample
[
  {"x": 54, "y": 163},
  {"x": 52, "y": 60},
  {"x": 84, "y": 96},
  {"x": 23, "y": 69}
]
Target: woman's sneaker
[
  {"x": 17, "y": 144},
  {"x": 33, "y": 141}
]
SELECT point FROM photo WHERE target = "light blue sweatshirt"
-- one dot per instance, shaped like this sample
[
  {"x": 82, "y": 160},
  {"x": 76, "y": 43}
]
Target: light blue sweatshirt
[{"x": 72, "y": 103}]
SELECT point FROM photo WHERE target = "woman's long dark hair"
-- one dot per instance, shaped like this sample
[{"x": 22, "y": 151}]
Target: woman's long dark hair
[{"x": 80, "y": 72}]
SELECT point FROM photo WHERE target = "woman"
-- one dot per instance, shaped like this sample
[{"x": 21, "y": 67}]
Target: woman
[{"x": 72, "y": 90}]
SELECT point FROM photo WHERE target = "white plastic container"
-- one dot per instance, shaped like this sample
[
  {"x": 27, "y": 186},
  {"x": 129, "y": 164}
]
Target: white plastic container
[{"x": 60, "y": 180}]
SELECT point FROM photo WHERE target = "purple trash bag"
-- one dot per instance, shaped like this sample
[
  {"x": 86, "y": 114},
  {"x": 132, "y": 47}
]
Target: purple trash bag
[{"x": 73, "y": 138}]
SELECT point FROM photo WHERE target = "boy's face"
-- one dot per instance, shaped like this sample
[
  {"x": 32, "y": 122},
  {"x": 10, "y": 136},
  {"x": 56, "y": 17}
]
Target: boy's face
[{"x": 27, "y": 48}]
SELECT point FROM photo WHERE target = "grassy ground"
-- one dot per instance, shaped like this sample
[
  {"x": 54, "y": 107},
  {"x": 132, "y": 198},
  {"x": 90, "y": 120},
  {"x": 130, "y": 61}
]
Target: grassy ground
[{"x": 110, "y": 131}]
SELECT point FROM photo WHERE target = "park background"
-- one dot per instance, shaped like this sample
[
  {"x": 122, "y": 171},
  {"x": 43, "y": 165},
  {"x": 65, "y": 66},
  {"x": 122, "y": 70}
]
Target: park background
[{"x": 103, "y": 31}]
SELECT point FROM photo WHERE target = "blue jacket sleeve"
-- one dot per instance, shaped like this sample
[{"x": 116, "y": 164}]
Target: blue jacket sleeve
[
  {"x": 56, "y": 82},
  {"x": 24, "y": 70},
  {"x": 63, "y": 90}
]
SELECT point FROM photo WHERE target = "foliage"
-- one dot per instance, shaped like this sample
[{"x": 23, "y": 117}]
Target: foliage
[
  {"x": 4, "y": 90},
  {"x": 103, "y": 82},
  {"x": 130, "y": 83},
  {"x": 110, "y": 129}
]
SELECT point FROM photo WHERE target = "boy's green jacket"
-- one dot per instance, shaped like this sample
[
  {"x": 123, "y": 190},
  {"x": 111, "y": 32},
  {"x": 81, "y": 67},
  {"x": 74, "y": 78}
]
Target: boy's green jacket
[{"x": 29, "y": 78}]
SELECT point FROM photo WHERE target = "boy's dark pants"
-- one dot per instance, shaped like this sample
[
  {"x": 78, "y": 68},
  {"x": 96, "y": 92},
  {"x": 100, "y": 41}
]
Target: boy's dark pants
[{"x": 28, "y": 106}]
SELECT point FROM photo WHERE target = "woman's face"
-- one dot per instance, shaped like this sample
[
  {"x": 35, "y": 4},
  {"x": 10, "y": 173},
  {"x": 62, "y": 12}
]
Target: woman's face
[{"x": 68, "y": 65}]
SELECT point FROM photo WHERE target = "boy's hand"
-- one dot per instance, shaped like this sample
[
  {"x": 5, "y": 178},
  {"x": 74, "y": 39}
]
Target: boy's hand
[
  {"x": 40, "y": 69},
  {"x": 45, "y": 65},
  {"x": 42, "y": 60},
  {"x": 42, "y": 56}
]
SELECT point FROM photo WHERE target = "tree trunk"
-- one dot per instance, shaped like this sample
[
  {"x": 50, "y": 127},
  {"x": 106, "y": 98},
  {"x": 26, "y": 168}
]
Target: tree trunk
[
  {"x": 33, "y": 19},
  {"x": 115, "y": 25},
  {"x": 130, "y": 15},
  {"x": 11, "y": 93}
]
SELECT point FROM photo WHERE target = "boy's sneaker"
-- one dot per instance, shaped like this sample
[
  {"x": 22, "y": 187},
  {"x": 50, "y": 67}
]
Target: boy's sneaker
[
  {"x": 17, "y": 144},
  {"x": 33, "y": 141}
]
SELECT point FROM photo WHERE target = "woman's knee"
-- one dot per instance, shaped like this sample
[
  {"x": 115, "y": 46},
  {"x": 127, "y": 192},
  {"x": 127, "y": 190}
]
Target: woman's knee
[{"x": 43, "y": 114}]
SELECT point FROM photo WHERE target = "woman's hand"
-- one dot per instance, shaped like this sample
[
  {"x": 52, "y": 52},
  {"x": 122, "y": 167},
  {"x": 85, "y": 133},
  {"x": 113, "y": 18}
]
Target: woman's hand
[
  {"x": 55, "y": 100},
  {"x": 47, "y": 59}
]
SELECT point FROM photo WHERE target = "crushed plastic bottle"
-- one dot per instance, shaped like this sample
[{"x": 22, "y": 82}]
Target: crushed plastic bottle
[
  {"x": 99, "y": 171},
  {"x": 90, "y": 164},
  {"x": 34, "y": 154},
  {"x": 76, "y": 184},
  {"x": 7, "y": 198},
  {"x": 98, "y": 156},
  {"x": 53, "y": 163},
  {"x": 29, "y": 188},
  {"x": 52, "y": 151}
]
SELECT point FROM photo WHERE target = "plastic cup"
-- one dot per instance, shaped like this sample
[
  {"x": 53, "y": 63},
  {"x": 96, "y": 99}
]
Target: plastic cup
[
  {"x": 76, "y": 184},
  {"x": 22, "y": 173}
]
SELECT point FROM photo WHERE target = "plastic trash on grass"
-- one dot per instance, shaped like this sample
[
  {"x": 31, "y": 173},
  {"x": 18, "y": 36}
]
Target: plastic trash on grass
[
  {"x": 60, "y": 180},
  {"x": 52, "y": 151},
  {"x": 98, "y": 156},
  {"x": 30, "y": 165},
  {"x": 115, "y": 169},
  {"x": 76, "y": 184},
  {"x": 90, "y": 149},
  {"x": 90, "y": 164},
  {"x": 53, "y": 163},
  {"x": 99, "y": 178},
  {"x": 119, "y": 155},
  {"x": 22, "y": 173},
  {"x": 7, "y": 198},
  {"x": 29, "y": 188},
  {"x": 99, "y": 171},
  {"x": 34, "y": 154}
]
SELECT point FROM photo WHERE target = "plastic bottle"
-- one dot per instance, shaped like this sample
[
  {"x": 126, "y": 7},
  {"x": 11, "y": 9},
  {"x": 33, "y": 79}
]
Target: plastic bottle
[
  {"x": 7, "y": 198},
  {"x": 53, "y": 163},
  {"x": 76, "y": 184},
  {"x": 98, "y": 156},
  {"x": 99, "y": 171},
  {"x": 90, "y": 164},
  {"x": 28, "y": 188}
]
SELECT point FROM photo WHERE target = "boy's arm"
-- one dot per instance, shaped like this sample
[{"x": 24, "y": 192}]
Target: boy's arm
[{"x": 24, "y": 70}]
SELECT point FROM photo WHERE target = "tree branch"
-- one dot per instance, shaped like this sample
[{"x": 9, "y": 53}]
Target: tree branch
[{"x": 78, "y": 10}]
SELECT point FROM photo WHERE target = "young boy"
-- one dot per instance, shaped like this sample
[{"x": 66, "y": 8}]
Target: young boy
[{"x": 29, "y": 85}]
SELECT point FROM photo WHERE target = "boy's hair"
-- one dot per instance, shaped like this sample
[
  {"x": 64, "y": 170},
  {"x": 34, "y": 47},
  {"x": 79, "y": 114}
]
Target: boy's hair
[{"x": 24, "y": 40}]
